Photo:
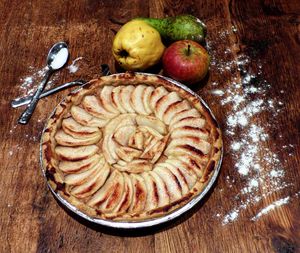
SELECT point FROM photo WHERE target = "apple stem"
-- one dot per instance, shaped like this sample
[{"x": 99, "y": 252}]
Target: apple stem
[{"x": 189, "y": 49}]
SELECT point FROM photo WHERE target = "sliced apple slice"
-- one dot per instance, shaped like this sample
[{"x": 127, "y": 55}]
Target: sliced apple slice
[
  {"x": 116, "y": 99},
  {"x": 86, "y": 119},
  {"x": 123, "y": 134},
  {"x": 148, "y": 130},
  {"x": 80, "y": 178},
  {"x": 136, "y": 99},
  {"x": 136, "y": 140},
  {"x": 164, "y": 103},
  {"x": 146, "y": 99},
  {"x": 174, "y": 109},
  {"x": 128, "y": 154},
  {"x": 115, "y": 197},
  {"x": 184, "y": 131},
  {"x": 135, "y": 166},
  {"x": 109, "y": 148},
  {"x": 186, "y": 170},
  {"x": 152, "y": 192},
  {"x": 126, "y": 199},
  {"x": 106, "y": 100},
  {"x": 185, "y": 114},
  {"x": 71, "y": 127},
  {"x": 189, "y": 121},
  {"x": 75, "y": 153},
  {"x": 156, "y": 95},
  {"x": 139, "y": 194},
  {"x": 173, "y": 186},
  {"x": 118, "y": 122},
  {"x": 163, "y": 195},
  {"x": 67, "y": 140},
  {"x": 106, "y": 190},
  {"x": 79, "y": 166},
  {"x": 152, "y": 122},
  {"x": 198, "y": 145},
  {"x": 125, "y": 95},
  {"x": 92, "y": 184},
  {"x": 192, "y": 163},
  {"x": 93, "y": 106},
  {"x": 180, "y": 177}
]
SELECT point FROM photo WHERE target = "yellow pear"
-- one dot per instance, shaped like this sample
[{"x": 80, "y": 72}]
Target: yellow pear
[{"x": 137, "y": 46}]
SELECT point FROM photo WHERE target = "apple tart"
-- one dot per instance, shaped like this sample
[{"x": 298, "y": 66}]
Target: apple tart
[{"x": 130, "y": 147}]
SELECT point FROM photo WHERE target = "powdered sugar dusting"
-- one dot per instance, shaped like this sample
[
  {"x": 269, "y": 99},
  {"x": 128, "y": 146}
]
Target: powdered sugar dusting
[
  {"x": 244, "y": 96},
  {"x": 271, "y": 207},
  {"x": 73, "y": 67}
]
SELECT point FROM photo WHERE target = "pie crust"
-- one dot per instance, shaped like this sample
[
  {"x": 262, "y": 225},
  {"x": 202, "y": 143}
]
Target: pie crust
[{"x": 130, "y": 147}]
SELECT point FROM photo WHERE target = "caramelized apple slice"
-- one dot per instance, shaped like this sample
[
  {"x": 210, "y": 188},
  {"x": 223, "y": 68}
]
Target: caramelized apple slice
[
  {"x": 164, "y": 103},
  {"x": 116, "y": 195},
  {"x": 71, "y": 127},
  {"x": 118, "y": 122},
  {"x": 123, "y": 134},
  {"x": 184, "y": 114},
  {"x": 109, "y": 148},
  {"x": 135, "y": 166},
  {"x": 173, "y": 186},
  {"x": 75, "y": 153},
  {"x": 139, "y": 194},
  {"x": 146, "y": 99},
  {"x": 197, "y": 145},
  {"x": 126, "y": 199},
  {"x": 184, "y": 131},
  {"x": 137, "y": 99},
  {"x": 152, "y": 194},
  {"x": 128, "y": 154},
  {"x": 80, "y": 178},
  {"x": 193, "y": 163},
  {"x": 86, "y": 119},
  {"x": 67, "y": 140},
  {"x": 125, "y": 96},
  {"x": 136, "y": 140},
  {"x": 92, "y": 105},
  {"x": 106, "y": 190},
  {"x": 174, "y": 109},
  {"x": 92, "y": 184},
  {"x": 79, "y": 166},
  {"x": 179, "y": 177},
  {"x": 189, "y": 121},
  {"x": 151, "y": 122},
  {"x": 156, "y": 95},
  {"x": 186, "y": 170},
  {"x": 106, "y": 100},
  {"x": 163, "y": 195}
]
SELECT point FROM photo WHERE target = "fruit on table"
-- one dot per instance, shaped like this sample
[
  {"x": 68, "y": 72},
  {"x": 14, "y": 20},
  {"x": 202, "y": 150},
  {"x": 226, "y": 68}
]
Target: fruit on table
[
  {"x": 186, "y": 61},
  {"x": 137, "y": 46},
  {"x": 183, "y": 27}
]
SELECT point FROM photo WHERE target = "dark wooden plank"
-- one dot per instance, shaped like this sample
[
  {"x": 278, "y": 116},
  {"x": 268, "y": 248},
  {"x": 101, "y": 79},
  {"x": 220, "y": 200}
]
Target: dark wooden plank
[{"x": 267, "y": 31}]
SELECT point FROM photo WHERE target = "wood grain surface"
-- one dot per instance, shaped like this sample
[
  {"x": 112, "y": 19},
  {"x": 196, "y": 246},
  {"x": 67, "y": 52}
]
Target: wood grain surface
[{"x": 33, "y": 221}]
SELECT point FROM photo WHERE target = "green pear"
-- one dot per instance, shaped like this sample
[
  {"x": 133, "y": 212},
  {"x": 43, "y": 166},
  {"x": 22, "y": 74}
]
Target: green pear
[{"x": 183, "y": 27}]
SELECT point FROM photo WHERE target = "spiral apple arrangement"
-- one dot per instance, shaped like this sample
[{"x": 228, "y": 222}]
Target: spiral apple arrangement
[{"x": 139, "y": 45}]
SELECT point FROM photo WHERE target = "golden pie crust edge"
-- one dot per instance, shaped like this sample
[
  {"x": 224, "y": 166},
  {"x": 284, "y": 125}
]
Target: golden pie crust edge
[{"x": 53, "y": 175}]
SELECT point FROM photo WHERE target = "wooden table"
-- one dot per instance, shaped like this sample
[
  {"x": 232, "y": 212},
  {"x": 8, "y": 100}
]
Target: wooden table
[{"x": 267, "y": 33}]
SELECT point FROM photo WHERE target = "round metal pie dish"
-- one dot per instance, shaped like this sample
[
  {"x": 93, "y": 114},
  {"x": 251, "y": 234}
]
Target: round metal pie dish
[{"x": 150, "y": 222}]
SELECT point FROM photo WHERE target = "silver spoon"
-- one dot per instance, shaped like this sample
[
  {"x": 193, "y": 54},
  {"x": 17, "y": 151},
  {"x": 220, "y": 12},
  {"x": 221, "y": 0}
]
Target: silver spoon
[{"x": 56, "y": 59}]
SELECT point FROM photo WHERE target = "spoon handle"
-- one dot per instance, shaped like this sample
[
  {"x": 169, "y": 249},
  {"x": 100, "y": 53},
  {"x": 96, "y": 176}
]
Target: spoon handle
[
  {"x": 26, "y": 100},
  {"x": 26, "y": 115}
]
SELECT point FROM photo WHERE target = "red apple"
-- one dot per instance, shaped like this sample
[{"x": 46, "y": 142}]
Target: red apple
[{"x": 186, "y": 61}]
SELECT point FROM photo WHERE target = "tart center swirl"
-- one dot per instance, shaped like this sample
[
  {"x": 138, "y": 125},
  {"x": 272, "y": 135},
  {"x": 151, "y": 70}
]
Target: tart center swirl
[{"x": 134, "y": 143}]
